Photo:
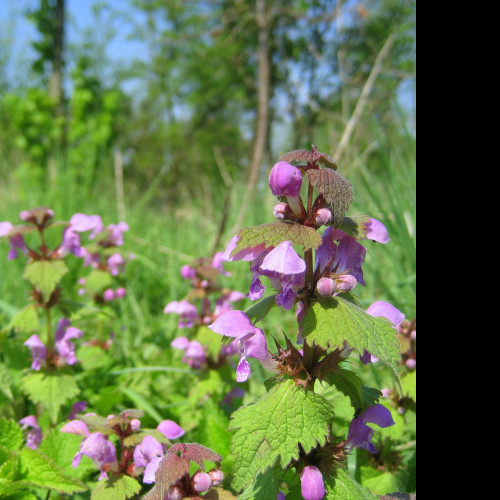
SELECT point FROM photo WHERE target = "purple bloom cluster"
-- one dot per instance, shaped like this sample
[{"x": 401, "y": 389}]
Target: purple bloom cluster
[
  {"x": 64, "y": 348},
  {"x": 34, "y": 432},
  {"x": 102, "y": 450}
]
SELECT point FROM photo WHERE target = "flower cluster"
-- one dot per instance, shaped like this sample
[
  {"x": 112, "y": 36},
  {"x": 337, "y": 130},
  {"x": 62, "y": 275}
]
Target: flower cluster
[
  {"x": 212, "y": 300},
  {"x": 141, "y": 450},
  {"x": 64, "y": 351}
]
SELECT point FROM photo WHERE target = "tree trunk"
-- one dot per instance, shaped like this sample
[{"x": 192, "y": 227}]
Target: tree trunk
[{"x": 262, "y": 121}]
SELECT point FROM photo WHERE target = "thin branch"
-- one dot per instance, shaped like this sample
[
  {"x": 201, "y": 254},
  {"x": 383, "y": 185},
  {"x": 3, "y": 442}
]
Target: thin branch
[{"x": 364, "y": 97}]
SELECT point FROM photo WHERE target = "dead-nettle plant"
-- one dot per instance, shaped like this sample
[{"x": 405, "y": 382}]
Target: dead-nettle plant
[
  {"x": 46, "y": 322},
  {"x": 290, "y": 427}
]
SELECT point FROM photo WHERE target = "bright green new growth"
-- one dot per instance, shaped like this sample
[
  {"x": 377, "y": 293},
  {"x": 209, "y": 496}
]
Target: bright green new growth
[
  {"x": 331, "y": 322},
  {"x": 52, "y": 390},
  {"x": 116, "y": 488},
  {"x": 45, "y": 275},
  {"x": 273, "y": 427},
  {"x": 23, "y": 468}
]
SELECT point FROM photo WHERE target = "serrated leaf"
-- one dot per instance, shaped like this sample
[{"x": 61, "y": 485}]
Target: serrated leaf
[
  {"x": 260, "y": 310},
  {"x": 26, "y": 320},
  {"x": 336, "y": 190},
  {"x": 11, "y": 435},
  {"x": 331, "y": 322},
  {"x": 352, "y": 386},
  {"x": 52, "y": 390},
  {"x": 61, "y": 447},
  {"x": 345, "y": 487},
  {"x": 116, "y": 488},
  {"x": 45, "y": 275},
  {"x": 8, "y": 464},
  {"x": 41, "y": 472},
  {"x": 380, "y": 483},
  {"x": 271, "y": 429},
  {"x": 299, "y": 155},
  {"x": 271, "y": 235}
]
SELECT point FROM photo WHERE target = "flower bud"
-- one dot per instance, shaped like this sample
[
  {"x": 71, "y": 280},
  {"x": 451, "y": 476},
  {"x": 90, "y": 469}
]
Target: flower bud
[
  {"x": 109, "y": 295},
  {"x": 312, "y": 485},
  {"x": 121, "y": 293},
  {"x": 175, "y": 493},
  {"x": 326, "y": 287},
  {"x": 188, "y": 272},
  {"x": 216, "y": 476},
  {"x": 135, "y": 424},
  {"x": 281, "y": 210},
  {"x": 285, "y": 180},
  {"x": 411, "y": 364},
  {"x": 323, "y": 216},
  {"x": 345, "y": 283},
  {"x": 26, "y": 216},
  {"x": 201, "y": 482}
]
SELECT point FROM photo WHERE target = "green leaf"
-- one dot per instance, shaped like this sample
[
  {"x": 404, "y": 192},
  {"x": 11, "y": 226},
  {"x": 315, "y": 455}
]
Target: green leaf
[
  {"x": 345, "y": 487},
  {"x": 61, "y": 447},
  {"x": 6, "y": 382},
  {"x": 336, "y": 190},
  {"x": 265, "y": 486},
  {"x": 45, "y": 275},
  {"x": 409, "y": 384},
  {"x": 380, "y": 483},
  {"x": 271, "y": 235},
  {"x": 352, "y": 386},
  {"x": 97, "y": 281},
  {"x": 272, "y": 428},
  {"x": 116, "y": 488},
  {"x": 11, "y": 435},
  {"x": 331, "y": 322},
  {"x": 26, "y": 320},
  {"x": 52, "y": 390},
  {"x": 41, "y": 472},
  {"x": 219, "y": 494},
  {"x": 260, "y": 310}
]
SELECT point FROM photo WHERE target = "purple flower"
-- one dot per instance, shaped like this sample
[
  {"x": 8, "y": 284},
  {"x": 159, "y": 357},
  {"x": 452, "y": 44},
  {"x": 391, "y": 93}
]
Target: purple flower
[
  {"x": 312, "y": 484},
  {"x": 323, "y": 216},
  {"x": 188, "y": 272},
  {"x": 116, "y": 233},
  {"x": 116, "y": 264},
  {"x": 170, "y": 429},
  {"x": 251, "y": 339},
  {"x": 376, "y": 231},
  {"x": 248, "y": 253},
  {"x": 109, "y": 295},
  {"x": 201, "y": 482},
  {"x": 78, "y": 407},
  {"x": 82, "y": 223},
  {"x": 149, "y": 449},
  {"x": 218, "y": 263},
  {"x": 63, "y": 337},
  {"x": 16, "y": 241},
  {"x": 223, "y": 303},
  {"x": 38, "y": 351},
  {"x": 360, "y": 435},
  {"x": 76, "y": 427},
  {"x": 34, "y": 435},
  {"x": 286, "y": 180},
  {"x": 187, "y": 312},
  {"x": 194, "y": 353},
  {"x": 99, "y": 449}
]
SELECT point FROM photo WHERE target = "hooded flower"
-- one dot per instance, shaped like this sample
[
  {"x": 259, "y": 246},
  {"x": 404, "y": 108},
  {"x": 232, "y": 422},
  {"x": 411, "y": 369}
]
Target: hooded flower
[
  {"x": 187, "y": 312},
  {"x": 34, "y": 434},
  {"x": 116, "y": 232},
  {"x": 38, "y": 351},
  {"x": 148, "y": 455},
  {"x": 100, "y": 450},
  {"x": 16, "y": 240},
  {"x": 251, "y": 340},
  {"x": 170, "y": 429},
  {"x": 64, "y": 335},
  {"x": 194, "y": 353},
  {"x": 360, "y": 435},
  {"x": 286, "y": 180}
]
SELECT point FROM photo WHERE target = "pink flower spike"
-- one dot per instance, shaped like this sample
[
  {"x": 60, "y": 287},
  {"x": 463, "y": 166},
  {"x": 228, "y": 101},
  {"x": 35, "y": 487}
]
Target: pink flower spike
[{"x": 170, "y": 429}]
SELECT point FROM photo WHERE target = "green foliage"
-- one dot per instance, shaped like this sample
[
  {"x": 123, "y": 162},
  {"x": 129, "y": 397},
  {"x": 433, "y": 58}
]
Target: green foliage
[
  {"x": 275, "y": 233},
  {"x": 52, "y": 390},
  {"x": 45, "y": 275},
  {"x": 116, "y": 488},
  {"x": 344, "y": 487},
  {"x": 332, "y": 321},
  {"x": 352, "y": 386},
  {"x": 270, "y": 430},
  {"x": 23, "y": 469}
]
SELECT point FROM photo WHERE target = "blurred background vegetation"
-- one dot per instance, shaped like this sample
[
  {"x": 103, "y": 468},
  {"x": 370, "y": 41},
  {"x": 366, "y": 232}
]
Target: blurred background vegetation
[{"x": 186, "y": 117}]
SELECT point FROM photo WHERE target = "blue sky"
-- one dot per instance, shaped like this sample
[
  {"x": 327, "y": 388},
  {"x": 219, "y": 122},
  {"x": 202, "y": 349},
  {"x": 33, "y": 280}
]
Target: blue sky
[{"x": 19, "y": 32}]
